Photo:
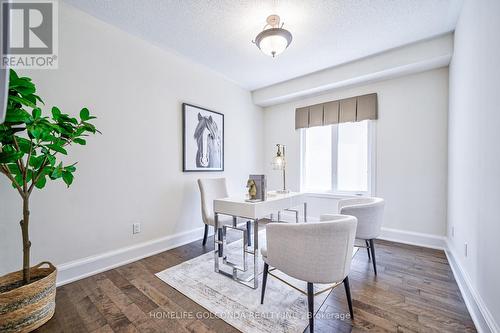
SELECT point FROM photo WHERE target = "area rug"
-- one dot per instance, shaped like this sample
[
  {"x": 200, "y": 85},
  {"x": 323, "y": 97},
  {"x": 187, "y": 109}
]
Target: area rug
[{"x": 284, "y": 308}]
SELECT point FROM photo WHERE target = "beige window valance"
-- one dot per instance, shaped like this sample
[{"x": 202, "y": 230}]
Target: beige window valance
[{"x": 342, "y": 111}]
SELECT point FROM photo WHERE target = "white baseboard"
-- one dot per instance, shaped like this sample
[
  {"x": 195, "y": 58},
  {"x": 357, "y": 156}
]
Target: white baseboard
[
  {"x": 82, "y": 268},
  {"x": 414, "y": 238},
  {"x": 482, "y": 317}
]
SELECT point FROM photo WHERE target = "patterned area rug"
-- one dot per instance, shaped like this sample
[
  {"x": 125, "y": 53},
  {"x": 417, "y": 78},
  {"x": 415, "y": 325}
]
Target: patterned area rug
[{"x": 284, "y": 308}]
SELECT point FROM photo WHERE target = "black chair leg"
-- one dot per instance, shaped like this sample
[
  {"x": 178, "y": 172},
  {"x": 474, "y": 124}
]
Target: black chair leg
[
  {"x": 348, "y": 294},
  {"x": 310, "y": 303},
  {"x": 249, "y": 233},
  {"x": 372, "y": 248},
  {"x": 264, "y": 281},
  {"x": 368, "y": 248},
  {"x": 205, "y": 235},
  {"x": 219, "y": 246}
]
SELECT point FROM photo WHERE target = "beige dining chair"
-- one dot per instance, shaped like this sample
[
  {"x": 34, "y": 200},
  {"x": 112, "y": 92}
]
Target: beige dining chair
[
  {"x": 319, "y": 252},
  {"x": 370, "y": 213},
  {"x": 211, "y": 189}
]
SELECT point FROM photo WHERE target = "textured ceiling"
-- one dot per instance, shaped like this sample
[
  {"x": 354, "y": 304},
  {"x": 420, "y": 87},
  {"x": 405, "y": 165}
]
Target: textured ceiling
[{"x": 218, "y": 33}]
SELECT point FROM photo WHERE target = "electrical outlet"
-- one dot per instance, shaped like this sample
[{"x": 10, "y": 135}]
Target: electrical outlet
[
  {"x": 466, "y": 249},
  {"x": 452, "y": 231},
  {"x": 136, "y": 228}
]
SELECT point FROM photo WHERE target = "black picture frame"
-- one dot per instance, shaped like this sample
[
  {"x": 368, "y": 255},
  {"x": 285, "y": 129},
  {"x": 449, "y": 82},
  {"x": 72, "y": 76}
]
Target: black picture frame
[{"x": 188, "y": 138}]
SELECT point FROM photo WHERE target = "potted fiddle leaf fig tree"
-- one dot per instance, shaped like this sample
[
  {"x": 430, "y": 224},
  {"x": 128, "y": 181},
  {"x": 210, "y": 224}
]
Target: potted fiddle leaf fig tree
[{"x": 31, "y": 145}]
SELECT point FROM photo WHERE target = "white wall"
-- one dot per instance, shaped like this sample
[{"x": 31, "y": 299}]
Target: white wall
[
  {"x": 411, "y": 148},
  {"x": 474, "y": 151},
  {"x": 133, "y": 172}
]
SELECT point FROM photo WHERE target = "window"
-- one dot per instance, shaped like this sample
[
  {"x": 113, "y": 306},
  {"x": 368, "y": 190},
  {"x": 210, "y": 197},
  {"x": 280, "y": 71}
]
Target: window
[{"x": 337, "y": 158}]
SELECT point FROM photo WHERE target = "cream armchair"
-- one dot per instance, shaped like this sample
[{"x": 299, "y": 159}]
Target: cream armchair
[
  {"x": 370, "y": 213},
  {"x": 211, "y": 189},
  {"x": 318, "y": 252}
]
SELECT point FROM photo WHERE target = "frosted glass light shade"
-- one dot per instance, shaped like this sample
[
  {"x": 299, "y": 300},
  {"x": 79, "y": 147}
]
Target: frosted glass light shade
[
  {"x": 273, "y": 41},
  {"x": 273, "y": 45}
]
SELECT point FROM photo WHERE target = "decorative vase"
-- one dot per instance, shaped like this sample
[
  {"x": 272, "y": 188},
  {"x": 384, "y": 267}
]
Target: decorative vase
[{"x": 24, "y": 308}]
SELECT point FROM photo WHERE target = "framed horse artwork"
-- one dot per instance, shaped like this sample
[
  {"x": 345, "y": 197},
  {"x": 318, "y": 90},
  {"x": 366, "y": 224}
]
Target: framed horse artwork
[{"x": 203, "y": 139}]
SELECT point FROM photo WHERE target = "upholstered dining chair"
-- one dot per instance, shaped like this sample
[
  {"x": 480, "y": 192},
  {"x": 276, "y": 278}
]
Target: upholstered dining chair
[
  {"x": 211, "y": 189},
  {"x": 370, "y": 213},
  {"x": 319, "y": 252}
]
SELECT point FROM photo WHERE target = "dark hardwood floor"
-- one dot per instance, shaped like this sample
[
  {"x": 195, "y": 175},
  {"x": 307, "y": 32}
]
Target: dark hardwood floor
[{"x": 414, "y": 292}]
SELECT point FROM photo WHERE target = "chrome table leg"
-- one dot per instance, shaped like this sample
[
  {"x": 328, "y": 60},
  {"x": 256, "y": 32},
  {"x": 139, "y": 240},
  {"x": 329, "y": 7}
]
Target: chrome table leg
[
  {"x": 217, "y": 244},
  {"x": 220, "y": 241},
  {"x": 305, "y": 211},
  {"x": 256, "y": 254}
]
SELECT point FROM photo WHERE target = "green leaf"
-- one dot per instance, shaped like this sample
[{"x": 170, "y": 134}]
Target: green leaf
[
  {"x": 24, "y": 144},
  {"x": 57, "y": 172},
  {"x": 80, "y": 141},
  {"x": 42, "y": 130},
  {"x": 38, "y": 98},
  {"x": 9, "y": 157},
  {"x": 36, "y": 113},
  {"x": 66, "y": 129},
  {"x": 35, "y": 131},
  {"x": 41, "y": 182},
  {"x": 13, "y": 168},
  {"x": 23, "y": 101},
  {"x": 17, "y": 116},
  {"x": 67, "y": 177},
  {"x": 28, "y": 91},
  {"x": 9, "y": 148},
  {"x": 84, "y": 114},
  {"x": 56, "y": 113},
  {"x": 64, "y": 118},
  {"x": 19, "y": 179},
  {"x": 47, "y": 136},
  {"x": 36, "y": 161},
  {"x": 13, "y": 75},
  {"x": 52, "y": 160},
  {"x": 57, "y": 148},
  {"x": 89, "y": 128},
  {"x": 29, "y": 175},
  {"x": 28, "y": 95},
  {"x": 70, "y": 168},
  {"x": 79, "y": 131}
]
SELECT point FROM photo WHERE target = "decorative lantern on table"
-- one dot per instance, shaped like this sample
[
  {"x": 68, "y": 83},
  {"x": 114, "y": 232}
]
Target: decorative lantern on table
[{"x": 279, "y": 163}]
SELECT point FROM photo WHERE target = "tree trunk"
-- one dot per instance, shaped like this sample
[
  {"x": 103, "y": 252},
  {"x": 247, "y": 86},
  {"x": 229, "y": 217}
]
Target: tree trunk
[{"x": 26, "y": 240}]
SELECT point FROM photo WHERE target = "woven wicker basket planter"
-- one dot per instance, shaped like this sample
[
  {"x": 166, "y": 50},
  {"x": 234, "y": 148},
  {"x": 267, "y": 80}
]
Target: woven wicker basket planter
[{"x": 28, "y": 307}]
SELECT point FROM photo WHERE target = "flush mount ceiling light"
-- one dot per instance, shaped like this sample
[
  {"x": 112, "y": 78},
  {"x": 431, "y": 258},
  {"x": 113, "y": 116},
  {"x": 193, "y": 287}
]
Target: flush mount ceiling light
[{"x": 274, "y": 40}]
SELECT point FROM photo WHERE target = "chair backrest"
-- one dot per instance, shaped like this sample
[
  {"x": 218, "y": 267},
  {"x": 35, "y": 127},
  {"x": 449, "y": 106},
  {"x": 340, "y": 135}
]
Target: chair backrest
[
  {"x": 368, "y": 211},
  {"x": 319, "y": 252},
  {"x": 211, "y": 189}
]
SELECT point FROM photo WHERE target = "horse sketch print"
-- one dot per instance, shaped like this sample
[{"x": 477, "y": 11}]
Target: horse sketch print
[
  {"x": 208, "y": 140},
  {"x": 203, "y": 139}
]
